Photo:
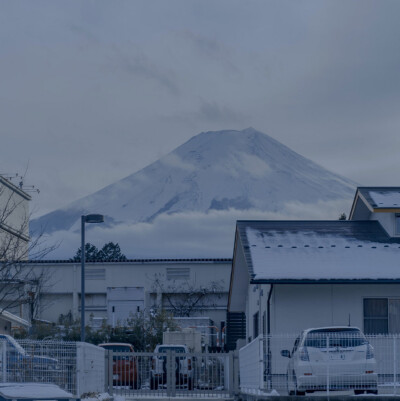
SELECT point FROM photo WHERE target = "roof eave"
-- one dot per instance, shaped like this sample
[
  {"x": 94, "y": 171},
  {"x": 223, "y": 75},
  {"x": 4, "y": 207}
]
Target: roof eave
[{"x": 324, "y": 281}]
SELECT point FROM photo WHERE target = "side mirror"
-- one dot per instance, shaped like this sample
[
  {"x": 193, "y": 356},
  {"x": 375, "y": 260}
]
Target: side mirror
[{"x": 285, "y": 353}]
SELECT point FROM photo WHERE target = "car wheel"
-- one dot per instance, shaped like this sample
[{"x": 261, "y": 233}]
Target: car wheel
[{"x": 358, "y": 392}]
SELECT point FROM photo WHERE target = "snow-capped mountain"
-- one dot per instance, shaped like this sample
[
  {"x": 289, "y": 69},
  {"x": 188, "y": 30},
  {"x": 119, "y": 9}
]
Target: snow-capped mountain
[{"x": 220, "y": 170}]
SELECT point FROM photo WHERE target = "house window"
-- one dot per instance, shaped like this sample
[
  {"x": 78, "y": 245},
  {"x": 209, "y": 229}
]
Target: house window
[
  {"x": 255, "y": 325},
  {"x": 264, "y": 323},
  {"x": 381, "y": 316},
  {"x": 397, "y": 224}
]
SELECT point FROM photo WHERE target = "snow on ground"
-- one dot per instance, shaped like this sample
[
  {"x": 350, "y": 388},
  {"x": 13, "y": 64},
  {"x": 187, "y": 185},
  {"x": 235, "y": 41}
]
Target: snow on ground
[
  {"x": 32, "y": 390},
  {"x": 100, "y": 397}
]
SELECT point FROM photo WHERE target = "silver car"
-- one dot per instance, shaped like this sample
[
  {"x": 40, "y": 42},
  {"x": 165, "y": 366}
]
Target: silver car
[{"x": 338, "y": 358}]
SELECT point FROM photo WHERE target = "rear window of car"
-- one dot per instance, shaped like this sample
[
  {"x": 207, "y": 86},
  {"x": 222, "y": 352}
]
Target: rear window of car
[
  {"x": 117, "y": 348},
  {"x": 343, "y": 338},
  {"x": 175, "y": 349}
]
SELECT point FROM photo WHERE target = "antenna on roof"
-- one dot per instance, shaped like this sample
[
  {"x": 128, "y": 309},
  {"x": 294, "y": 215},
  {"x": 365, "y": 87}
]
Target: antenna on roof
[{"x": 349, "y": 320}]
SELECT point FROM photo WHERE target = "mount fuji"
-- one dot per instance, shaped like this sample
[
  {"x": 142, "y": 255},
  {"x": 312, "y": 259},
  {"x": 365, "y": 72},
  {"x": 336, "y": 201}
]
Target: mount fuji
[{"x": 214, "y": 172}]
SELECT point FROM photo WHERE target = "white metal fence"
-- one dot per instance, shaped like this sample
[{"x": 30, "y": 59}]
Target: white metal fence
[
  {"x": 170, "y": 374},
  {"x": 74, "y": 366},
  {"x": 39, "y": 361},
  {"x": 324, "y": 361}
]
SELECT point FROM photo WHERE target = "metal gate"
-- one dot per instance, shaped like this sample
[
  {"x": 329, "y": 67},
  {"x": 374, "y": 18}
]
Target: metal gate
[{"x": 171, "y": 374}]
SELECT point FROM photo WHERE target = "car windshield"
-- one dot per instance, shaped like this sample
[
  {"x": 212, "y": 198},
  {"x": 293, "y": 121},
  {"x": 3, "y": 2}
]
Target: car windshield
[
  {"x": 117, "y": 348},
  {"x": 180, "y": 350},
  {"x": 343, "y": 338}
]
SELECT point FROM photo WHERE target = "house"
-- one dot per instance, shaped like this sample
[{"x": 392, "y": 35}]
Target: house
[
  {"x": 14, "y": 220},
  {"x": 14, "y": 248},
  {"x": 288, "y": 276}
]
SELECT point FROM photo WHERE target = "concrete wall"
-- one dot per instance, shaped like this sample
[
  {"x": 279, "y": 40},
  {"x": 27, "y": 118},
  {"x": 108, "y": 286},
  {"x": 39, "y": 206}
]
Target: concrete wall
[
  {"x": 90, "y": 369},
  {"x": 61, "y": 294}
]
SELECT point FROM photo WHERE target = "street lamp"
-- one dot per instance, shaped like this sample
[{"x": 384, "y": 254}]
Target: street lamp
[{"x": 90, "y": 218}]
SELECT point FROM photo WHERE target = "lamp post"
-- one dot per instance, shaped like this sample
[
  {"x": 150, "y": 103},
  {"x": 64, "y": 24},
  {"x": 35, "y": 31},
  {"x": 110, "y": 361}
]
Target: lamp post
[{"x": 90, "y": 218}]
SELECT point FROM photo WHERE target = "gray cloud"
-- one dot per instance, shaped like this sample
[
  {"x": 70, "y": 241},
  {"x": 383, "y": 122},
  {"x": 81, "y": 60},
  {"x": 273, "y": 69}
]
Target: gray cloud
[
  {"x": 138, "y": 64},
  {"x": 188, "y": 234},
  {"x": 212, "y": 49}
]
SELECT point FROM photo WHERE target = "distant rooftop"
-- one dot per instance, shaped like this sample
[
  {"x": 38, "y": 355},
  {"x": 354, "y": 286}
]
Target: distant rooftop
[
  {"x": 381, "y": 197},
  {"x": 332, "y": 251},
  {"x": 135, "y": 261}
]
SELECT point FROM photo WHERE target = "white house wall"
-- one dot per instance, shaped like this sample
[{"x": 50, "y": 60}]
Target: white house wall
[
  {"x": 387, "y": 221},
  {"x": 14, "y": 209},
  {"x": 300, "y": 306},
  {"x": 16, "y": 202},
  {"x": 257, "y": 297}
]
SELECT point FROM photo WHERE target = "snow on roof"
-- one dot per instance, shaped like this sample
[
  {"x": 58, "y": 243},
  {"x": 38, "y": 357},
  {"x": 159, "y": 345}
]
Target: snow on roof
[
  {"x": 386, "y": 199},
  {"x": 339, "y": 251},
  {"x": 381, "y": 197}
]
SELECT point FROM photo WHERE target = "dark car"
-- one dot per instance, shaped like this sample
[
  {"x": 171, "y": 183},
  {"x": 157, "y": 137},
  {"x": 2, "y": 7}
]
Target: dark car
[{"x": 125, "y": 366}]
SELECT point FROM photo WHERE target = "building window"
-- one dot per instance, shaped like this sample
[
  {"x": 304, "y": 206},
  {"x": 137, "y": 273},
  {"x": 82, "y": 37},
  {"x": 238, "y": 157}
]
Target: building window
[
  {"x": 178, "y": 273},
  {"x": 397, "y": 224},
  {"x": 381, "y": 316},
  {"x": 255, "y": 325}
]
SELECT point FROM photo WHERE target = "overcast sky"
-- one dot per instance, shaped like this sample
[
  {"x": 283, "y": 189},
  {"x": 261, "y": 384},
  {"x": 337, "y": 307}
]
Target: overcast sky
[{"x": 92, "y": 91}]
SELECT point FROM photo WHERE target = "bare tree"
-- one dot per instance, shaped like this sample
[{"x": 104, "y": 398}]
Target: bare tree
[
  {"x": 17, "y": 278},
  {"x": 185, "y": 298}
]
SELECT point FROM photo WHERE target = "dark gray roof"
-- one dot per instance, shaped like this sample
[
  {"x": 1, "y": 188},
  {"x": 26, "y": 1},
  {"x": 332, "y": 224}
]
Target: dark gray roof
[
  {"x": 135, "y": 261},
  {"x": 289, "y": 250}
]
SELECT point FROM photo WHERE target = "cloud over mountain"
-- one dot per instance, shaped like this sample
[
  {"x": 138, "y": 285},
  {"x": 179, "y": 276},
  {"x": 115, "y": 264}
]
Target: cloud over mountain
[{"x": 215, "y": 176}]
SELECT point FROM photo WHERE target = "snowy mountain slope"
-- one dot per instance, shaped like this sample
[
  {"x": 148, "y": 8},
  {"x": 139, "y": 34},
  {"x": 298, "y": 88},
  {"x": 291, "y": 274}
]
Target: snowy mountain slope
[{"x": 212, "y": 171}]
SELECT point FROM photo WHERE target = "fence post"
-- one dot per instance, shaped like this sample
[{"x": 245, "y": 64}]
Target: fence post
[
  {"x": 4, "y": 360},
  {"x": 236, "y": 371},
  {"x": 231, "y": 373},
  {"x": 170, "y": 365},
  {"x": 105, "y": 371},
  {"x": 395, "y": 364},
  {"x": 261, "y": 362},
  {"x": 110, "y": 373},
  {"x": 327, "y": 366}
]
